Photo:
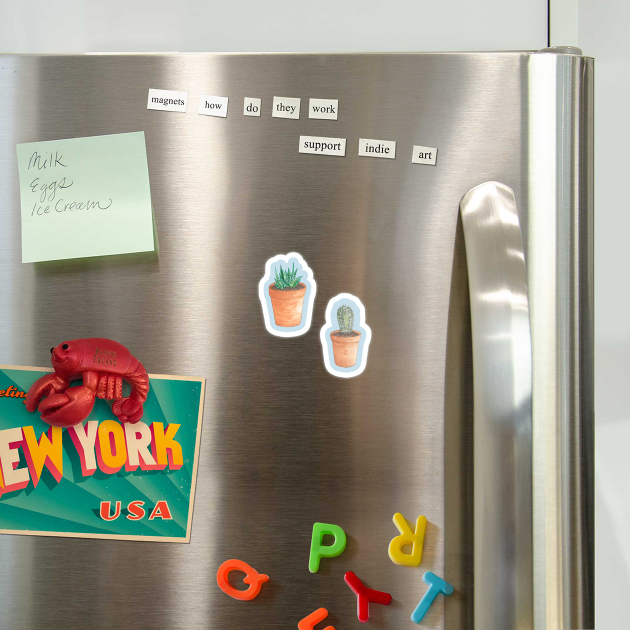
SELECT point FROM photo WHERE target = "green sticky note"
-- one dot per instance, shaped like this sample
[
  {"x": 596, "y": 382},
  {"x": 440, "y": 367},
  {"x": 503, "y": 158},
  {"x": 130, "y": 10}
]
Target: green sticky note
[{"x": 85, "y": 197}]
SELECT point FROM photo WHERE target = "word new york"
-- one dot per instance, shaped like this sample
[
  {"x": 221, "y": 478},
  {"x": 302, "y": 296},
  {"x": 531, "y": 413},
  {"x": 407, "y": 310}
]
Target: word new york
[{"x": 107, "y": 446}]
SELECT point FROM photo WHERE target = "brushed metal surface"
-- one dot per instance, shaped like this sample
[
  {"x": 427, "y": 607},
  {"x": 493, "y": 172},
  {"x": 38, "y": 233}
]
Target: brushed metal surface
[
  {"x": 284, "y": 443},
  {"x": 502, "y": 368},
  {"x": 560, "y": 276}
]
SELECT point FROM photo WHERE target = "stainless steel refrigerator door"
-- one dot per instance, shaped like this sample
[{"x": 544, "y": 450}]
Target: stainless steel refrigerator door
[{"x": 284, "y": 443}]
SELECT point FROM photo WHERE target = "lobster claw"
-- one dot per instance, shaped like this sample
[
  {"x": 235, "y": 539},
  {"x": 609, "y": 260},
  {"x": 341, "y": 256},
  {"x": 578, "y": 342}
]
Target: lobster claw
[
  {"x": 68, "y": 408},
  {"x": 128, "y": 410},
  {"x": 43, "y": 386}
]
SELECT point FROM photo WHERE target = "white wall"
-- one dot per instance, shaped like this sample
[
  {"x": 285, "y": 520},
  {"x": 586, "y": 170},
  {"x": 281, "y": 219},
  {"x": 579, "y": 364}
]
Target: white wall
[
  {"x": 270, "y": 25},
  {"x": 604, "y": 28}
]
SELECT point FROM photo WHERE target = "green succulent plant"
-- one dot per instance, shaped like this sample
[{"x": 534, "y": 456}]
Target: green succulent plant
[
  {"x": 345, "y": 318},
  {"x": 287, "y": 279}
]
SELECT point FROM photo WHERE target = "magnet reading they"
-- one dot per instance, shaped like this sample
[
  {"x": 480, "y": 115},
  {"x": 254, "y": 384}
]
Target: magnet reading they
[
  {"x": 345, "y": 336},
  {"x": 287, "y": 293},
  {"x": 252, "y": 577}
]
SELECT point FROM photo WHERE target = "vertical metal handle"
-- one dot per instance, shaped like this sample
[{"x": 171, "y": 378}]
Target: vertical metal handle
[{"x": 502, "y": 373}]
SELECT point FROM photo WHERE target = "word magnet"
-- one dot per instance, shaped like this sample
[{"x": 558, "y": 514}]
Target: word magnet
[
  {"x": 407, "y": 537},
  {"x": 213, "y": 105},
  {"x": 319, "y": 551},
  {"x": 251, "y": 106},
  {"x": 252, "y": 577}
]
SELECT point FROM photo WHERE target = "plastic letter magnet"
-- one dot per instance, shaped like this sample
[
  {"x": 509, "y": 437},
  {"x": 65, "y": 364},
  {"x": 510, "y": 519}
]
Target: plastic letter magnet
[
  {"x": 319, "y": 551},
  {"x": 436, "y": 586},
  {"x": 365, "y": 596},
  {"x": 407, "y": 537},
  {"x": 308, "y": 623},
  {"x": 252, "y": 577}
]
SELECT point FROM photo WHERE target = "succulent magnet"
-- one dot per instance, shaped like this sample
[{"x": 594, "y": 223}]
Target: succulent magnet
[
  {"x": 287, "y": 293},
  {"x": 346, "y": 336}
]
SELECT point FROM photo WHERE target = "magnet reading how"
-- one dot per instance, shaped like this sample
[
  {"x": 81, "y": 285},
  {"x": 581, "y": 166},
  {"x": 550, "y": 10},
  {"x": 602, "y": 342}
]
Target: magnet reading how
[
  {"x": 287, "y": 293},
  {"x": 252, "y": 577},
  {"x": 345, "y": 344},
  {"x": 285, "y": 107},
  {"x": 319, "y": 550},
  {"x": 213, "y": 105},
  {"x": 377, "y": 148}
]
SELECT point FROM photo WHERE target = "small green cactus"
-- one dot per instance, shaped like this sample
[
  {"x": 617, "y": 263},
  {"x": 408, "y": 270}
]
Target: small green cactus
[
  {"x": 345, "y": 318},
  {"x": 287, "y": 279}
]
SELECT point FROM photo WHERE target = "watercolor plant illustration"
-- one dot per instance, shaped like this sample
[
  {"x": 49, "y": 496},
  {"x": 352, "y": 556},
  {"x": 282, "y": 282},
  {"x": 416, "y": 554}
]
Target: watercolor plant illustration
[
  {"x": 287, "y": 292},
  {"x": 345, "y": 341},
  {"x": 346, "y": 344},
  {"x": 287, "y": 297}
]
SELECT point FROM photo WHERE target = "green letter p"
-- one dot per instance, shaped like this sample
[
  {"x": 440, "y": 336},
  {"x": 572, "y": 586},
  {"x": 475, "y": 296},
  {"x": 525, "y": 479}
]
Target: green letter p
[{"x": 319, "y": 551}]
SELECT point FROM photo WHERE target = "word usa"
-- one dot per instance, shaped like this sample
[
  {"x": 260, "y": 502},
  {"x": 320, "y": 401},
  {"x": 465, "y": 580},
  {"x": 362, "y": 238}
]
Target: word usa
[{"x": 107, "y": 446}]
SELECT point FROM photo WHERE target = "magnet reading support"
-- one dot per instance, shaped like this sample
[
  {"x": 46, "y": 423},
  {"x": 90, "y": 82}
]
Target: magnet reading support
[
  {"x": 319, "y": 551},
  {"x": 365, "y": 596},
  {"x": 308, "y": 623},
  {"x": 252, "y": 577},
  {"x": 407, "y": 537},
  {"x": 436, "y": 586}
]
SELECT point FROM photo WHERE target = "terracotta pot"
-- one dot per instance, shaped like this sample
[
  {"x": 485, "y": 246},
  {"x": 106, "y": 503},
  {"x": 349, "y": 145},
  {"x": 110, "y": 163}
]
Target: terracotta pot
[
  {"x": 287, "y": 305},
  {"x": 345, "y": 349}
]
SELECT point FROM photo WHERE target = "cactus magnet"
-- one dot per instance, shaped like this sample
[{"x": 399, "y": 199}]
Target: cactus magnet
[
  {"x": 102, "y": 364},
  {"x": 346, "y": 336},
  {"x": 287, "y": 293}
]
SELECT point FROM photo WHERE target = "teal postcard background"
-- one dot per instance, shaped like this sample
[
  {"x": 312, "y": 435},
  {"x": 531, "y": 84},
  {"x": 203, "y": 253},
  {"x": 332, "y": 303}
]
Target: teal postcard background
[{"x": 72, "y": 505}]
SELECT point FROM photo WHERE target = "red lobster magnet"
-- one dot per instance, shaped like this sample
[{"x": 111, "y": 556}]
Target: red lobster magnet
[{"x": 103, "y": 364}]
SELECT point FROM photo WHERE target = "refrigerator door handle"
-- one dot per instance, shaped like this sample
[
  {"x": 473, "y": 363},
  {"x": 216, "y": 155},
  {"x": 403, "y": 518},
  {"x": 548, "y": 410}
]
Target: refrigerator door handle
[{"x": 502, "y": 374}]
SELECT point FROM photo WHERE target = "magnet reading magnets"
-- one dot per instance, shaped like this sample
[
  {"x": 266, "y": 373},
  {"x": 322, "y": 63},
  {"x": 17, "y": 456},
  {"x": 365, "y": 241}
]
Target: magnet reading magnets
[
  {"x": 252, "y": 577},
  {"x": 103, "y": 364}
]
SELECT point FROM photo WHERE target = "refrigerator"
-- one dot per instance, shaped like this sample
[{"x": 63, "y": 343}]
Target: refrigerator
[{"x": 459, "y": 220}]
